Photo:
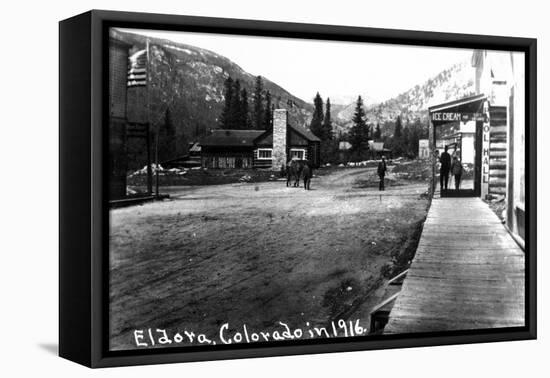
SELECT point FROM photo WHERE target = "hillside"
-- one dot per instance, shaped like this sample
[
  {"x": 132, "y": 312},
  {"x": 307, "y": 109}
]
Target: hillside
[
  {"x": 452, "y": 83},
  {"x": 189, "y": 80}
]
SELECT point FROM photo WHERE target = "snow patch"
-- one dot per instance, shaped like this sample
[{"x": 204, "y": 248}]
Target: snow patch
[{"x": 181, "y": 49}]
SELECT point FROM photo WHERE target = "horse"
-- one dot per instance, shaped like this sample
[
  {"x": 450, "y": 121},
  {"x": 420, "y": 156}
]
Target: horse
[{"x": 294, "y": 170}]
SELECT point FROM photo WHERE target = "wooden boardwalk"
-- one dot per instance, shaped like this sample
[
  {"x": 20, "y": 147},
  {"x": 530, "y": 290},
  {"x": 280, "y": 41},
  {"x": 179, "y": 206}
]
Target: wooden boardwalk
[{"x": 468, "y": 273}]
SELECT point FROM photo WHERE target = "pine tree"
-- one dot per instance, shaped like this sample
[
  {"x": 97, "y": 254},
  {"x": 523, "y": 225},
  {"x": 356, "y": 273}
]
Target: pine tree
[
  {"x": 327, "y": 123},
  {"x": 377, "y": 132},
  {"x": 406, "y": 141},
  {"x": 235, "y": 106},
  {"x": 258, "y": 115},
  {"x": 225, "y": 117},
  {"x": 415, "y": 136},
  {"x": 268, "y": 114},
  {"x": 359, "y": 133},
  {"x": 316, "y": 125},
  {"x": 398, "y": 128},
  {"x": 244, "y": 116},
  {"x": 397, "y": 140}
]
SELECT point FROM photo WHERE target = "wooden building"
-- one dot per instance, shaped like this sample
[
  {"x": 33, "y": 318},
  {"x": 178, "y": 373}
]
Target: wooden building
[
  {"x": 501, "y": 76},
  {"x": 488, "y": 130},
  {"x": 377, "y": 150},
  {"x": 259, "y": 148}
]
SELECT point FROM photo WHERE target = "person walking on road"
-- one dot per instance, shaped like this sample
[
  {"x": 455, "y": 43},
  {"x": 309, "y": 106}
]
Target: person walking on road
[{"x": 382, "y": 172}]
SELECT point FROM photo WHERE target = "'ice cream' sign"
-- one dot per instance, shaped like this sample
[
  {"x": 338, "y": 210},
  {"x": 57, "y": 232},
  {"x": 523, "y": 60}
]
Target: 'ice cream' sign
[
  {"x": 449, "y": 117},
  {"x": 454, "y": 117}
]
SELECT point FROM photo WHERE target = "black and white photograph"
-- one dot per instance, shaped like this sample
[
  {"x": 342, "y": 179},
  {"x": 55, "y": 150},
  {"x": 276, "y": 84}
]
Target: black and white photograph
[{"x": 275, "y": 190}]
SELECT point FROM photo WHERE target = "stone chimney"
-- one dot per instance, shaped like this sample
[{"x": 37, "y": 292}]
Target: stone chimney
[{"x": 279, "y": 138}]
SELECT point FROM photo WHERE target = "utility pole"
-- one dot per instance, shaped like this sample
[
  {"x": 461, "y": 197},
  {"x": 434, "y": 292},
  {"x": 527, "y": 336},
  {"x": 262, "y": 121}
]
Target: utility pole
[
  {"x": 157, "y": 161},
  {"x": 149, "y": 168},
  {"x": 157, "y": 194}
]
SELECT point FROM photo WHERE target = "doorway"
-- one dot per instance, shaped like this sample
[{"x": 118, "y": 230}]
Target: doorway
[{"x": 462, "y": 142}]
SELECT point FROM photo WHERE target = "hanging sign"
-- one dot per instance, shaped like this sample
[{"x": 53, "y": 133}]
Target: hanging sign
[
  {"x": 486, "y": 137},
  {"x": 466, "y": 117},
  {"x": 448, "y": 117},
  {"x": 454, "y": 117}
]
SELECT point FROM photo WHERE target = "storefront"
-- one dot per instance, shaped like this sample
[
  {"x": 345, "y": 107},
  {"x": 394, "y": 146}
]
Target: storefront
[
  {"x": 462, "y": 128},
  {"x": 487, "y": 133}
]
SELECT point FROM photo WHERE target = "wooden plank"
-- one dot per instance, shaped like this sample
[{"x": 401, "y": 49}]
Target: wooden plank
[
  {"x": 468, "y": 273},
  {"x": 384, "y": 303}
]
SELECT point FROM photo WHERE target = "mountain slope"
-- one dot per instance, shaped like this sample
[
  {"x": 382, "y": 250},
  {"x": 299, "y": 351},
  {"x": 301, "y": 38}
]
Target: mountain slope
[
  {"x": 189, "y": 80},
  {"x": 450, "y": 84}
]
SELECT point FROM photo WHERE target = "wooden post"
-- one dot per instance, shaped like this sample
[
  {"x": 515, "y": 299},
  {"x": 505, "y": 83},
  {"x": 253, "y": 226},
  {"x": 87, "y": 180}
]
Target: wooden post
[
  {"x": 157, "y": 161},
  {"x": 432, "y": 144},
  {"x": 149, "y": 169}
]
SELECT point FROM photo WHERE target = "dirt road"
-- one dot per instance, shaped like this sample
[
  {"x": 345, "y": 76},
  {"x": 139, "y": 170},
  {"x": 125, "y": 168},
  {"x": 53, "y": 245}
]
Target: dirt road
[{"x": 256, "y": 254}]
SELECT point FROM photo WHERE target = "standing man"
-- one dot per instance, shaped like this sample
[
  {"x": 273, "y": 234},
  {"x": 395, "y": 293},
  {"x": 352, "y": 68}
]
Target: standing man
[
  {"x": 445, "y": 160},
  {"x": 382, "y": 172},
  {"x": 456, "y": 170},
  {"x": 307, "y": 173}
]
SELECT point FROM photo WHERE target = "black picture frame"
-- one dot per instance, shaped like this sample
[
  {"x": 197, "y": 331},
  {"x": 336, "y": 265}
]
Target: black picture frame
[{"x": 83, "y": 227}]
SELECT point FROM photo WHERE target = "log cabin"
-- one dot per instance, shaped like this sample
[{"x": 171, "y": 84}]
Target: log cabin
[{"x": 268, "y": 149}]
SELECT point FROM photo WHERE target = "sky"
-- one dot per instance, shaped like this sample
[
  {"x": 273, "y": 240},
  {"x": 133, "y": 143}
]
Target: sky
[{"x": 339, "y": 70}]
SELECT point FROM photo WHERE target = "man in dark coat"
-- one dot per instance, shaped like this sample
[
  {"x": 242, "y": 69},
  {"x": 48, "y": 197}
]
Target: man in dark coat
[
  {"x": 445, "y": 160},
  {"x": 457, "y": 170},
  {"x": 307, "y": 174},
  {"x": 382, "y": 172}
]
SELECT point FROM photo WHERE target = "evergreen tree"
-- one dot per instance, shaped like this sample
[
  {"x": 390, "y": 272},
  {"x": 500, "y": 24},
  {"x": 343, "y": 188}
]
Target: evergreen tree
[
  {"x": 244, "y": 116},
  {"x": 225, "y": 118},
  {"x": 258, "y": 115},
  {"x": 398, "y": 133},
  {"x": 235, "y": 106},
  {"x": 359, "y": 134},
  {"x": 397, "y": 140},
  {"x": 327, "y": 123},
  {"x": 406, "y": 141},
  {"x": 316, "y": 125},
  {"x": 413, "y": 141},
  {"x": 377, "y": 132},
  {"x": 415, "y": 135},
  {"x": 268, "y": 114}
]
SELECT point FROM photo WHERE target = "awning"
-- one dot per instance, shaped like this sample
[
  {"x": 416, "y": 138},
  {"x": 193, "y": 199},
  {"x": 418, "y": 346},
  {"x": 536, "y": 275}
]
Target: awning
[{"x": 464, "y": 110}]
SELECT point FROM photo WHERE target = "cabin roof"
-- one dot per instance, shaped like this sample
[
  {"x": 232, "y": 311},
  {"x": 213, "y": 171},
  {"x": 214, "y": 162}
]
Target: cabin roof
[
  {"x": 249, "y": 138},
  {"x": 233, "y": 138},
  {"x": 306, "y": 133}
]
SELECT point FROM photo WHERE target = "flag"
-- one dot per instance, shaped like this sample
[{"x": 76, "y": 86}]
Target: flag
[{"x": 137, "y": 69}]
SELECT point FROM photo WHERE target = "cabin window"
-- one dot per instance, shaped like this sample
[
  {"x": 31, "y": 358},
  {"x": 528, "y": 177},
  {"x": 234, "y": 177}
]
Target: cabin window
[
  {"x": 264, "y": 153},
  {"x": 297, "y": 153}
]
